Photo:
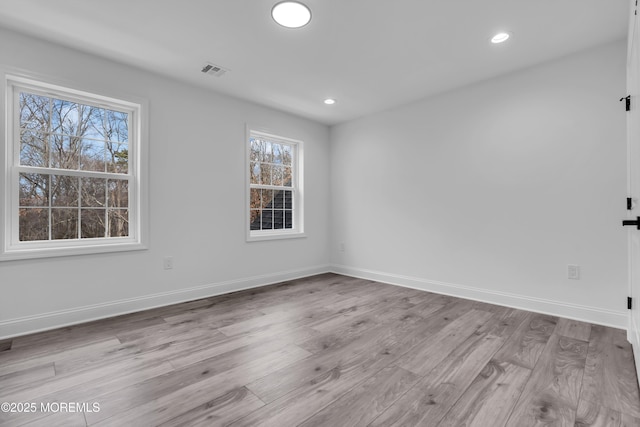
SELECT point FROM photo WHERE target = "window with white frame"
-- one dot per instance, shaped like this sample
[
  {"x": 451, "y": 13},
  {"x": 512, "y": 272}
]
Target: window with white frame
[
  {"x": 73, "y": 168},
  {"x": 275, "y": 187}
]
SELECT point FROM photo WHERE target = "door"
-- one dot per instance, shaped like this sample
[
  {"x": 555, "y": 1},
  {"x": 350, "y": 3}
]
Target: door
[{"x": 633, "y": 158}]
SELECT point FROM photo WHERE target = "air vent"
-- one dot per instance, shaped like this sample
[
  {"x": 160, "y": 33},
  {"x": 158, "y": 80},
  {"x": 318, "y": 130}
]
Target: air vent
[{"x": 213, "y": 70}]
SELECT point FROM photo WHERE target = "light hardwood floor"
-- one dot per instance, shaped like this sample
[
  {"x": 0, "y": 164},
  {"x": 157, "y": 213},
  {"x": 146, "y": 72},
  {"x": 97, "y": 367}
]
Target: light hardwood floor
[{"x": 326, "y": 350}]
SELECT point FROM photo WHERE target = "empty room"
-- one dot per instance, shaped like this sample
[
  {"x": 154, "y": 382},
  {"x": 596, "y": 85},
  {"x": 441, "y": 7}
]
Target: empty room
[{"x": 319, "y": 213}]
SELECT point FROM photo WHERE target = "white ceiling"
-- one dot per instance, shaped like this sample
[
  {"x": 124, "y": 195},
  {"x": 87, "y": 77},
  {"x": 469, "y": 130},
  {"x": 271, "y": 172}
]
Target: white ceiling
[{"x": 370, "y": 55}]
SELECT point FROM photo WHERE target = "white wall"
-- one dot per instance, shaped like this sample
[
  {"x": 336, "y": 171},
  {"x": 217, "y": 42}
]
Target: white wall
[
  {"x": 197, "y": 202},
  {"x": 489, "y": 191}
]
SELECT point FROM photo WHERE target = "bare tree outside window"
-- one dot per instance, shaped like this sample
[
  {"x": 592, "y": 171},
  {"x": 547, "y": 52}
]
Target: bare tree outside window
[{"x": 77, "y": 152}]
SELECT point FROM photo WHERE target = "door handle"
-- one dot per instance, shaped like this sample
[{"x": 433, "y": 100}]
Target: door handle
[{"x": 635, "y": 222}]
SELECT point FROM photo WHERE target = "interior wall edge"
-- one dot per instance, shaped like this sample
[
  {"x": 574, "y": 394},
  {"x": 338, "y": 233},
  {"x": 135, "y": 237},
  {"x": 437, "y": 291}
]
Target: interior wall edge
[
  {"x": 615, "y": 319},
  {"x": 12, "y": 328}
]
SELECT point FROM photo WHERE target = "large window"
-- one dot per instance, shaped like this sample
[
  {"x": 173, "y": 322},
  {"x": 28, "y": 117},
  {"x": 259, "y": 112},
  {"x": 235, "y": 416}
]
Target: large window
[
  {"x": 275, "y": 187},
  {"x": 73, "y": 172}
]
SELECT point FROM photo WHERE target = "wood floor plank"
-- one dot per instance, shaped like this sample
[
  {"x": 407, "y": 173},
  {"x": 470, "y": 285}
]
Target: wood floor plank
[
  {"x": 300, "y": 404},
  {"x": 12, "y": 361},
  {"x": 222, "y": 373},
  {"x": 357, "y": 327},
  {"x": 26, "y": 378},
  {"x": 423, "y": 358},
  {"x": 434, "y": 395},
  {"x": 220, "y": 411},
  {"x": 610, "y": 377},
  {"x": 87, "y": 385},
  {"x": 98, "y": 330},
  {"x": 219, "y": 347},
  {"x": 146, "y": 403},
  {"x": 490, "y": 398},
  {"x": 594, "y": 415},
  {"x": 64, "y": 419},
  {"x": 552, "y": 393},
  {"x": 371, "y": 307},
  {"x": 527, "y": 343},
  {"x": 365, "y": 402},
  {"x": 573, "y": 329}
]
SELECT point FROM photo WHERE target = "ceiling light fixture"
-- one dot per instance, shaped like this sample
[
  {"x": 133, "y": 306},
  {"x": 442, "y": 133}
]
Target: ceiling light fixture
[
  {"x": 329, "y": 101},
  {"x": 291, "y": 14},
  {"x": 500, "y": 38}
]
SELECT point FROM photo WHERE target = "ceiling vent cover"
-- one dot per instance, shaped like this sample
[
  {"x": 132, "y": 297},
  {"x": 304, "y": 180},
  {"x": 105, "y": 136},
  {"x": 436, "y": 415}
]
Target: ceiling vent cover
[{"x": 213, "y": 70}]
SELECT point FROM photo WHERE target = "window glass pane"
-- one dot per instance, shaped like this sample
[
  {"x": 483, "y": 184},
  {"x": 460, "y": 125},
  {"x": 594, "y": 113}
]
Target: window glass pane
[
  {"x": 255, "y": 152},
  {"x": 33, "y": 224},
  {"x": 255, "y": 198},
  {"x": 288, "y": 219},
  {"x": 266, "y": 153},
  {"x": 118, "y": 191},
  {"x": 94, "y": 192},
  {"x": 64, "y": 117},
  {"x": 287, "y": 180},
  {"x": 254, "y": 173},
  {"x": 91, "y": 125},
  {"x": 117, "y": 157},
  {"x": 92, "y": 223},
  {"x": 118, "y": 222},
  {"x": 267, "y": 199},
  {"x": 116, "y": 126},
  {"x": 65, "y": 152},
  {"x": 287, "y": 153},
  {"x": 278, "y": 200},
  {"x": 64, "y": 191},
  {"x": 34, "y": 189},
  {"x": 277, "y": 153},
  {"x": 267, "y": 219},
  {"x": 277, "y": 175},
  {"x": 64, "y": 224},
  {"x": 34, "y": 112},
  {"x": 255, "y": 219},
  {"x": 34, "y": 149},
  {"x": 265, "y": 174},
  {"x": 288, "y": 199},
  {"x": 278, "y": 219},
  {"x": 92, "y": 157},
  {"x": 70, "y": 118}
]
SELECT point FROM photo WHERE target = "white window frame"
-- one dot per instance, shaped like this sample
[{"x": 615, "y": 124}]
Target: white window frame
[
  {"x": 297, "y": 188},
  {"x": 11, "y": 247}
]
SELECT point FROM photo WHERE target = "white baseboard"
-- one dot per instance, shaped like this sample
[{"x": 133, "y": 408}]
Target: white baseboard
[
  {"x": 42, "y": 322},
  {"x": 616, "y": 319}
]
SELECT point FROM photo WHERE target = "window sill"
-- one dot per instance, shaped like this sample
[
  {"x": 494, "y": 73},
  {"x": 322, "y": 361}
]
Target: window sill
[
  {"x": 261, "y": 237},
  {"x": 70, "y": 250}
]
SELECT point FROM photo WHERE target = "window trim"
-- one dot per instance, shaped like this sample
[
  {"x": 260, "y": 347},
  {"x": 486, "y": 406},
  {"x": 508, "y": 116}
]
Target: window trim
[
  {"x": 10, "y": 247},
  {"x": 297, "y": 188}
]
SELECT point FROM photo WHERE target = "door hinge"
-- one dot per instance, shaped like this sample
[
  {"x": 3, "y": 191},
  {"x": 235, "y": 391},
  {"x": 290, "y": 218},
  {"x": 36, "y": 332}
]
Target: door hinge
[
  {"x": 629, "y": 203},
  {"x": 627, "y": 104},
  {"x": 629, "y": 303}
]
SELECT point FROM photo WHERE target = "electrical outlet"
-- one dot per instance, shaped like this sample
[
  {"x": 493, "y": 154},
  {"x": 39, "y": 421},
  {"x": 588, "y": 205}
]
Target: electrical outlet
[
  {"x": 168, "y": 262},
  {"x": 573, "y": 272}
]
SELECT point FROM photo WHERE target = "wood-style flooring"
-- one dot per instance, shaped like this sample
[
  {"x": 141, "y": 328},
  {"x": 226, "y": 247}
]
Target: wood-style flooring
[{"x": 326, "y": 350}]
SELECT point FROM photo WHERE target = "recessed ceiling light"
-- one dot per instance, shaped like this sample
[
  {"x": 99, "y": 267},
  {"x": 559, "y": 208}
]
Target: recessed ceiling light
[
  {"x": 329, "y": 101},
  {"x": 500, "y": 38},
  {"x": 291, "y": 14}
]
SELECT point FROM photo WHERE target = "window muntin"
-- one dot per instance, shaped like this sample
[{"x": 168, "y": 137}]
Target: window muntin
[
  {"x": 274, "y": 206},
  {"x": 73, "y": 172}
]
